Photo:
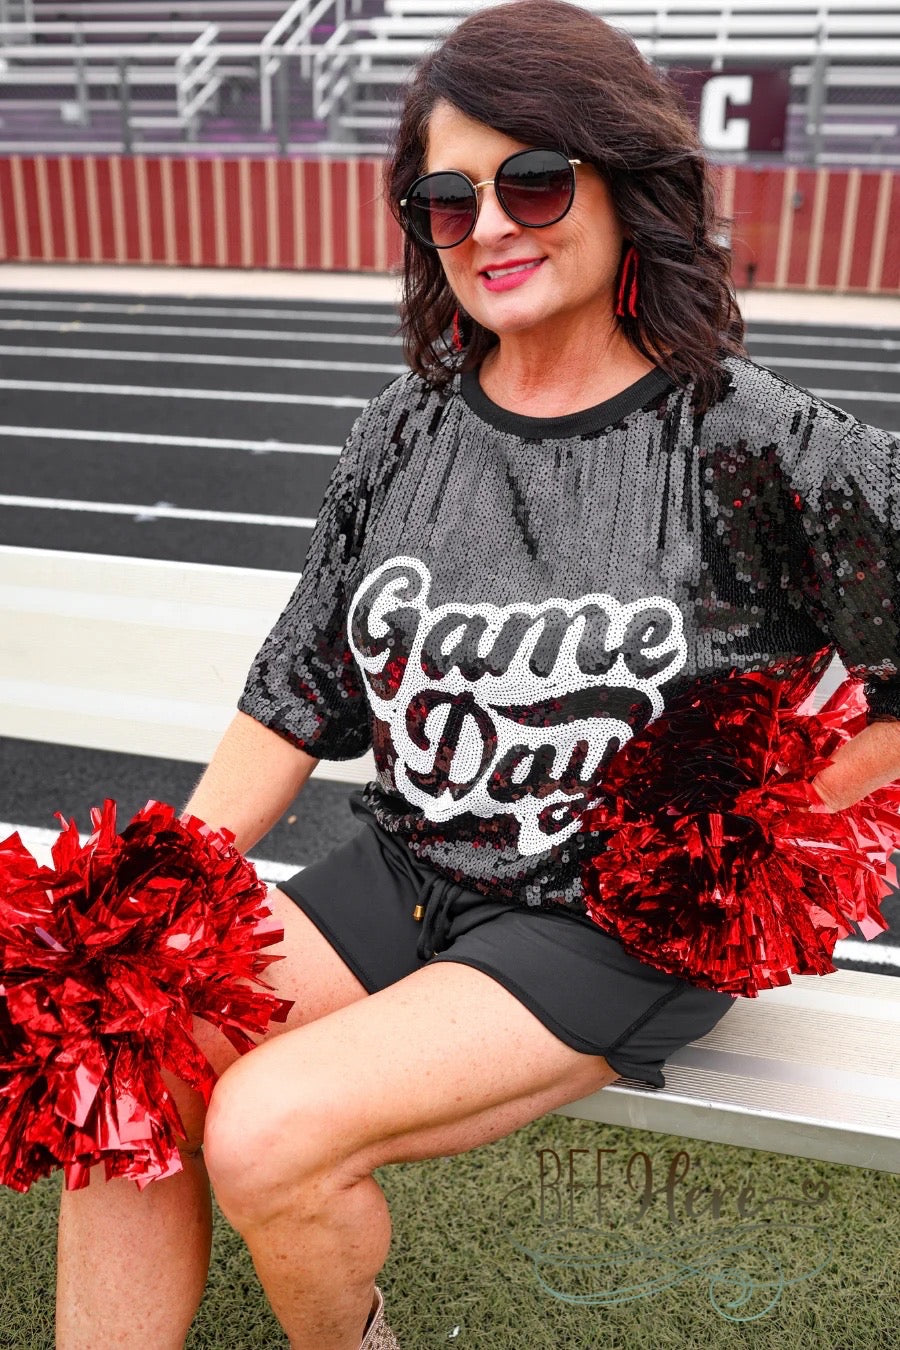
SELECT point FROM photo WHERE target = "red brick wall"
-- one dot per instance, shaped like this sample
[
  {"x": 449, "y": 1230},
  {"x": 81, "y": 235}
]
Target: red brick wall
[{"x": 812, "y": 229}]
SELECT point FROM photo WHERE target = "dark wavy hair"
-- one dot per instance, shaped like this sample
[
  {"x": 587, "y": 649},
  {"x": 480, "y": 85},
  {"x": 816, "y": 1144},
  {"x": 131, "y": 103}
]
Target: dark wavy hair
[{"x": 549, "y": 73}]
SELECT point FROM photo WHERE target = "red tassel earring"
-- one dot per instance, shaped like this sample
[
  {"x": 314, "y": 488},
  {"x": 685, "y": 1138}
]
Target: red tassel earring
[
  {"x": 457, "y": 336},
  {"x": 629, "y": 265}
]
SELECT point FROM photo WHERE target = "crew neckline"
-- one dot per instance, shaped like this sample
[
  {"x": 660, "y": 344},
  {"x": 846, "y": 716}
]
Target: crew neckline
[{"x": 596, "y": 418}]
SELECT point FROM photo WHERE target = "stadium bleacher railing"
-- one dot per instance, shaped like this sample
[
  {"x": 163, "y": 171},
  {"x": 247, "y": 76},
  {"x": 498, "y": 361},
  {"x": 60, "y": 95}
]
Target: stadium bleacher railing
[{"x": 316, "y": 74}]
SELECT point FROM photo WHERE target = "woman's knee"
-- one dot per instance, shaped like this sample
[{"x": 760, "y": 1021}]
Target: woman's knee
[{"x": 266, "y": 1150}]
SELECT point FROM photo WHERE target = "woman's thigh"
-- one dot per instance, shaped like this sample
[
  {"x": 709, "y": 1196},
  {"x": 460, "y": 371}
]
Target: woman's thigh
[
  {"x": 310, "y": 972},
  {"x": 440, "y": 1062}
]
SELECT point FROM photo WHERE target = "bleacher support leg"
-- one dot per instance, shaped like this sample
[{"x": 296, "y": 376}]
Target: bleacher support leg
[{"x": 125, "y": 106}]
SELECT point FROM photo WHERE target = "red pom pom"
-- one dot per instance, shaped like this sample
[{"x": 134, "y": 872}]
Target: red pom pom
[
  {"x": 711, "y": 865},
  {"x": 105, "y": 957}
]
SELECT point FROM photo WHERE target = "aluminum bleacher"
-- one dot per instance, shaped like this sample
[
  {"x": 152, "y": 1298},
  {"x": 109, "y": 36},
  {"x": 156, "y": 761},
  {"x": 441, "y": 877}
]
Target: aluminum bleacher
[
  {"x": 828, "y": 47},
  {"x": 155, "y": 72},
  {"x": 250, "y": 74},
  {"x": 158, "y": 84},
  {"x": 244, "y": 19}
]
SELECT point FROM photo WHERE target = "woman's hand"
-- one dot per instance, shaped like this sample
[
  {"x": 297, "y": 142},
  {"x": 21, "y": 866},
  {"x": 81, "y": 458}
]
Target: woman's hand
[{"x": 869, "y": 761}]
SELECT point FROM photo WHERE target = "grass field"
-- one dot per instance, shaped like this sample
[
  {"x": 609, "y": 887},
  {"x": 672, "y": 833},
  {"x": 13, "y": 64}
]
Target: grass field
[{"x": 768, "y": 1252}]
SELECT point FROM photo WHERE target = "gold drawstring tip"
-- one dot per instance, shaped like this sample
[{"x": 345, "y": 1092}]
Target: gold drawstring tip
[{"x": 419, "y": 913}]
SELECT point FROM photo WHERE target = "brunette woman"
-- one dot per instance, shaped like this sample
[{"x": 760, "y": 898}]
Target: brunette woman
[{"x": 581, "y": 497}]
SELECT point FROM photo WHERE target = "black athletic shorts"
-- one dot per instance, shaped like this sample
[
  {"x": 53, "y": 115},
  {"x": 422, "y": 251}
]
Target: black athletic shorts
[{"x": 579, "y": 981}]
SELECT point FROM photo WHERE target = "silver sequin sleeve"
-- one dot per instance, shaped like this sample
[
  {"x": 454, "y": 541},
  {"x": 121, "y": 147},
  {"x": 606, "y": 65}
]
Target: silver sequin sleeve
[
  {"x": 851, "y": 520},
  {"x": 304, "y": 683}
]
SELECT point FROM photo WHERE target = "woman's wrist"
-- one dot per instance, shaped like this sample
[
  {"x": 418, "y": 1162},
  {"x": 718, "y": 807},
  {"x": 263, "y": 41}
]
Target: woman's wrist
[
  {"x": 869, "y": 761},
  {"x": 252, "y": 778}
]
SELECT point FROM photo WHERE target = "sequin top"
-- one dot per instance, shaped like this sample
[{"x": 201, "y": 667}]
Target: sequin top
[{"x": 496, "y": 603}]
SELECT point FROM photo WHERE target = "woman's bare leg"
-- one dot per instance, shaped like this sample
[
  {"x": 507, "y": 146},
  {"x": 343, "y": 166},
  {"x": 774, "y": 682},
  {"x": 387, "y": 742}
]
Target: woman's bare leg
[
  {"x": 441, "y": 1062},
  {"x": 132, "y": 1265}
]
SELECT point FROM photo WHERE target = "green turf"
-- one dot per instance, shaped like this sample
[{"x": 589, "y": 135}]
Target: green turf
[{"x": 460, "y": 1274}]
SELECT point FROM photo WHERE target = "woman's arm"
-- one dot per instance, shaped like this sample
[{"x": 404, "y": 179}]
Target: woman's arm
[
  {"x": 251, "y": 780},
  {"x": 870, "y": 760},
  {"x": 847, "y": 490}
]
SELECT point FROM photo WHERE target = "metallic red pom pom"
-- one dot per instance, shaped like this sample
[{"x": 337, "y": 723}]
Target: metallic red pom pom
[
  {"x": 105, "y": 957},
  {"x": 711, "y": 865}
]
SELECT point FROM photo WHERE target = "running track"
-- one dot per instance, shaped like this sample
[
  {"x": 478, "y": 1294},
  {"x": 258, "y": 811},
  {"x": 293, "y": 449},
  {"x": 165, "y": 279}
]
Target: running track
[{"x": 205, "y": 431}]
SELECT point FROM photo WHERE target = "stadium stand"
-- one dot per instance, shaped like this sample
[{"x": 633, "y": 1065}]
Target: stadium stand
[
  {"x": 326, "y": 72},
  {"x": 99, "y": 74},
  {"x": 827, "y": 47}
]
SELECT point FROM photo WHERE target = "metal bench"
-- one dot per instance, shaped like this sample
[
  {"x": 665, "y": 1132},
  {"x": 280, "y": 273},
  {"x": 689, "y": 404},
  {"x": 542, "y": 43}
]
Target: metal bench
[
  {"x": 83, "y": 56},
  {"x": 811, "y": 1069},
  {"x": 661, "y": 12}
]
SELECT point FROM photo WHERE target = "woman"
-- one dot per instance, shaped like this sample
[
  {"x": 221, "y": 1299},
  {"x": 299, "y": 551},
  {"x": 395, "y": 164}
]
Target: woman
[{"x": 583, "y": 500}]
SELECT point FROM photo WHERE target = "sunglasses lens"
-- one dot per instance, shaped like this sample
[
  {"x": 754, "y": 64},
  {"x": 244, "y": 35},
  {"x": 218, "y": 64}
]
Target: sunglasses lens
[
  {"x": 537, "y": 187},
  {"x": 442, "y": 209}
]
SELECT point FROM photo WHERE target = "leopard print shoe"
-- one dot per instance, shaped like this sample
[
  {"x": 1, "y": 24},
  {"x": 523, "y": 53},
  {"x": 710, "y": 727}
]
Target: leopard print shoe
[{"x": 378, "y": 1334}]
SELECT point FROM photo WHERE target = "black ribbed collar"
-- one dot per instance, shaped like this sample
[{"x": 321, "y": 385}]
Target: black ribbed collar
[{"x": 597, "y": 418}]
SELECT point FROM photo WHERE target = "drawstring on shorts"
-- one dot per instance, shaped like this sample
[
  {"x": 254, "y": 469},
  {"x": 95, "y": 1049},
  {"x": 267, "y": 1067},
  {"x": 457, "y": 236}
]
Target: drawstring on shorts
[
  {"x": 435, "y": 899},
  {"x": 434, "y": 910}
]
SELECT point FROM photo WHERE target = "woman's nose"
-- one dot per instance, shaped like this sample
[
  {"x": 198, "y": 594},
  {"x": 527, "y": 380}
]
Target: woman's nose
[{"x": 493, "y": 223}]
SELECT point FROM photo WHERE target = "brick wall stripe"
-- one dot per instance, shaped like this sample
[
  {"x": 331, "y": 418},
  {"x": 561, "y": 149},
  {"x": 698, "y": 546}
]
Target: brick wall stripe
[
  {"x": 848, "y": 229},
  {"x": 817, "y": 230},
  {"x": 273, "y": 232},
  {"x": 880, "y": 236},
  {"x": 23, "y": 250},
  {"x": 246, "y": 215},
  {"x": 785, "y": 228}
]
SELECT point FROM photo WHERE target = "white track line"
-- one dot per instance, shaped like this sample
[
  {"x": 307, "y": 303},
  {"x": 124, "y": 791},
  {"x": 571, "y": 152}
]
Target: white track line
[
  {"x": 39, "y": 841},
  {"x": 200, "y": 311},
  {"x": 856, "y": 395},
  {"x": 756, "y": 340},
  {"x": 246, "y": 396},
  {"x": 215, "y": 334},
  {"x": 754, "y": 334},
  {"x": 352, "y": 367},
  {"x": 876, "y": 954},
  {"x": 159, "y": 511},
  {"x": 203, "y": 359},
  {"x": 191, "y": 442},
  {"x": 207, "y": 395},
  {"x": 80, "y": 558},
  {"x": 150, "y": 308},
  {"x": 817, "y": 363},
  {"x": 755, "y": 337}
]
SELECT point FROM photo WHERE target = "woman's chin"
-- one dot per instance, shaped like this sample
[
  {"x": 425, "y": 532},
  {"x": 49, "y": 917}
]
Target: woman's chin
[{"x": 507, "y": 321}]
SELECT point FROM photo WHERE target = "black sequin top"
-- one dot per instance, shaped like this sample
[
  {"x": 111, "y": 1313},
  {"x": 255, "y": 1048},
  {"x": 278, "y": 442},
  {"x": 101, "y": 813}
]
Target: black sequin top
[{"x": 496, "y": 603}]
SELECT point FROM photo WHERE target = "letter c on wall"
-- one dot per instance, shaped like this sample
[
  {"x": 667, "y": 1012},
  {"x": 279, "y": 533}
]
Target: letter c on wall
[{"x": 718, "y": 131}]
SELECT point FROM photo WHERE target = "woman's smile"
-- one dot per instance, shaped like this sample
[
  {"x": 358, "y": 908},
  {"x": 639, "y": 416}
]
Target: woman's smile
[{"x": 505, "y": 276}]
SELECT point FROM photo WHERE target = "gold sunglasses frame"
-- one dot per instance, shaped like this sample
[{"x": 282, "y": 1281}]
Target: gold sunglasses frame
[{"x": 485, "y": 182}]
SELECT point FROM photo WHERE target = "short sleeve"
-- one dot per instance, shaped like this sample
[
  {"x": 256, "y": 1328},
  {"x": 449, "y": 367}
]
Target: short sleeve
[
  {"x": 304, "y": 683},
  {"x": 851, "y": 520}
]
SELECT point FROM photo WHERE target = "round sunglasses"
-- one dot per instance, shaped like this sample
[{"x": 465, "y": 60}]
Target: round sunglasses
[{"x": 534, "y": 187}]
